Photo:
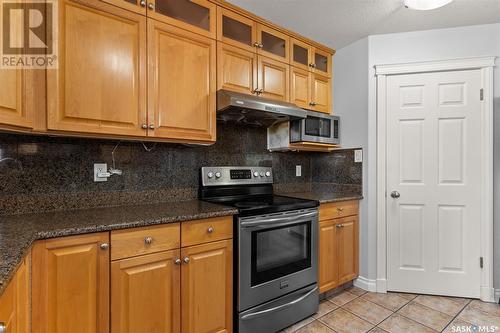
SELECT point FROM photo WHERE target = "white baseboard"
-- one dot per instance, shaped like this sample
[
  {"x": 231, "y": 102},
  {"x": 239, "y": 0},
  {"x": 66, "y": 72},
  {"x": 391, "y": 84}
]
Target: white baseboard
[
  {"x": 381, "y": 285},
  {"x": 487, "y": 294},
  {"x": 497, "y": 295},
  {"x": 366, "y": 284}
]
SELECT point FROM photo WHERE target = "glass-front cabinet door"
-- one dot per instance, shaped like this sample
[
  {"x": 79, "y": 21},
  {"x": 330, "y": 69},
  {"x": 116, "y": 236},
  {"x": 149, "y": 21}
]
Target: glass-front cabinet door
[
  {"x": 273, "y": 44},
  {"x": 322, "y": 62},
  {"x": 236, "y": 30},
  {"x": 193, "y": 15},
  {"x": 300, "y": 54}
]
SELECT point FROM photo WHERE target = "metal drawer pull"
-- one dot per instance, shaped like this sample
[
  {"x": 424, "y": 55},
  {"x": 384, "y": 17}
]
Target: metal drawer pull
[
  {"x": 269, "y": 221},
  {"x": 3, "y": 329},
  {"x": 178, "y": 261},
  {"x": 340, "y": 225},
  {"x": 340, "y": 209},
  {"x": 143, "y": 3},
  {"x": 151, "y": 6},
  {"x": 103, "y": 246},
  {"x": 210, "y": 230},
  {"x": 148, "y": 240},
  {"x": 186, "y": 260},
  {"x": 280, "y": 307}
]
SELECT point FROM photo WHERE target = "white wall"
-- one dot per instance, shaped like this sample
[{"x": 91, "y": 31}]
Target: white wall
[
  {"x": 461, "y": 42},
  {"x": 351, "y": 104}
]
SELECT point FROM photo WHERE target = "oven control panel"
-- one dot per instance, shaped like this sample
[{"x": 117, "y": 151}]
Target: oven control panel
[{"x": 219, "y": 176}]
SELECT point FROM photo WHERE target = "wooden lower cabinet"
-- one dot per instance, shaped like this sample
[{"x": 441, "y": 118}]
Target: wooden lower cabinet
[
  {"x": 207, "y": 288},
  {"x": 71, "y": 284},
  {"x": 338, "y": 245},
  {"x": 15, "y": 301},
  {"x": 145, "y": 294}
]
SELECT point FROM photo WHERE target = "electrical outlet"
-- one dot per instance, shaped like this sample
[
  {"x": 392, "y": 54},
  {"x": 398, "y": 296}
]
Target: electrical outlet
[
  {"x": 358, "y": 156},
  {"x": 298, "y": 170},
  {"x": 100, "y": 168}
]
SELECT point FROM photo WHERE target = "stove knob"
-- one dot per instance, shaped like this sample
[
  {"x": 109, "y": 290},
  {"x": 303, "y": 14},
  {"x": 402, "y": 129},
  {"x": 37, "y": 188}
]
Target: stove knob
[
  {"x": 268, "y": 174},
  {"x": 217, "y": 175},
  {"x": 262, "y": 174},
  {"x": 256, "y": 174},
  {"x": 210, "y": 174}
]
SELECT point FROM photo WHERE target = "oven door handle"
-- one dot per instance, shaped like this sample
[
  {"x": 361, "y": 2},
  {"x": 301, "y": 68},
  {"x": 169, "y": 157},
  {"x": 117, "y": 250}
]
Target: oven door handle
[
  {"x": 280, "y": 307},
  {"x": 282, "y": 220}
]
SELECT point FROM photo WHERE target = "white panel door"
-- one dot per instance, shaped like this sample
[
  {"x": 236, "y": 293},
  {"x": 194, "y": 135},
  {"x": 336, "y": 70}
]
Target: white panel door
[{"x": 434, "y": 164}]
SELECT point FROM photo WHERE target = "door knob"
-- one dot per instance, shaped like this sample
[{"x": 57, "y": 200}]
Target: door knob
[{"x": 395, "y": 194}]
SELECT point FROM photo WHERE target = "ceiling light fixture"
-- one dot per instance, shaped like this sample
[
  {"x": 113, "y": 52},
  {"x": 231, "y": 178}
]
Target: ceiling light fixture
[{"x": 425, "y": 4}]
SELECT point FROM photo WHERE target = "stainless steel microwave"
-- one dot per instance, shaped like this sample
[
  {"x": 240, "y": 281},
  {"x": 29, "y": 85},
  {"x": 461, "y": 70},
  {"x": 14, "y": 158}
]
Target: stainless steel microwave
[{"x": 316, "y": 127}]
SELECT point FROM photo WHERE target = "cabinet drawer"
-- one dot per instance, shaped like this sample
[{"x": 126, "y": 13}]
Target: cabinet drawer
[
  {"x": 134, "y": 242},
  {"x": 338, "y": 209},
  {"x": 209, "y": 230}
]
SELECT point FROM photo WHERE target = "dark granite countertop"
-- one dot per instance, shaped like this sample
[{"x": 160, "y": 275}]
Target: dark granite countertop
[
  {"x": 18, "y": 232},
  {"x": 325, "y": 196}
]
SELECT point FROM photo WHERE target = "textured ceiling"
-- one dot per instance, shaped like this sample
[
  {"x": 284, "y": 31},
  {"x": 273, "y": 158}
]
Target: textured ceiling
[{"x": 337, "y": 23}]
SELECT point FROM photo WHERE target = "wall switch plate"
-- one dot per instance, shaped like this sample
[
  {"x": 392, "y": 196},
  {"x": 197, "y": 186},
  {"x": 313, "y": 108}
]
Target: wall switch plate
[
  {"x": 100, "y": 168},
  {"x": 298, "y": 170},
  {"x": 358, "y": 155}
]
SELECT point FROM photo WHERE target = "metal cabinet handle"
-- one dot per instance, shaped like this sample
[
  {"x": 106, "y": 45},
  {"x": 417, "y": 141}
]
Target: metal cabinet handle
[
  {"x": 3, "y": 328},
  {"x": 178, "y": 261},
  {"x": 256, "y": 44},
  {"x": 144, "y": 126},
  {"x": 148, "y": 240},
  {"x": 312, "y": 65},
  {"x": 143, "y": 3},
  {"x": 103, "y": 246},
  {"x": 186, "y": 260},
  {"x": 151, "y": 6},
  {"x": 210, "y": 230},
  {"x": 261, "y": 46},
  {"x": 255, "y": 91},
  {"x": 395, "y": 194},
  {"x": 151, "y": 126},
  {"x": 338, "y": 226},
  {"x": 313, "y": 104}
]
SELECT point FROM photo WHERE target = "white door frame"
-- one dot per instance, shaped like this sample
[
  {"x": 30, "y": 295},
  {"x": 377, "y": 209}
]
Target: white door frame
[{"x": 485, "y": 64}]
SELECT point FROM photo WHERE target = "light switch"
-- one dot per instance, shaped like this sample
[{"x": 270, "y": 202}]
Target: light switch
[{"x": 358, "y": 155}]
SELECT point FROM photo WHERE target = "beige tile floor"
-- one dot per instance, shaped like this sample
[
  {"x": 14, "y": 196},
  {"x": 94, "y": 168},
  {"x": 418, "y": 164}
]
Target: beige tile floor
[{"x": 356, "y": 311}]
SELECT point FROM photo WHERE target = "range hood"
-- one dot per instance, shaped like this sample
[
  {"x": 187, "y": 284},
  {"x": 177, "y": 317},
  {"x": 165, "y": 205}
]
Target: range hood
[{"x": 255, "y": 111}]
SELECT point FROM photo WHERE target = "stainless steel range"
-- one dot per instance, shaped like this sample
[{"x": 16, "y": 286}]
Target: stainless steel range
[{"x": 276, "y": 260}]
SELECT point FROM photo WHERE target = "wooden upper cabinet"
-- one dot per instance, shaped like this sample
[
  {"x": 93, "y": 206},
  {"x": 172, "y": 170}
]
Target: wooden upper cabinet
[
  {"x": 322, "y": 61},
  {"x": 300, "y": 87},
  {"x": 273, "y": 44},
  {"x": 13, "y": 109},
  {"x": 182, "y": 84},
  {"x": 321, "y": 93},
  {"x": 137, "y": 6},
  {"x": 236, "y": 30},
  {"x": 100, "y": 85},
  {"x": 145, "y": 294},
  {"x": 206, "y": 281},
  {"x": 198, "y": 16},
  {"x": 328, "y": 253},
  {"x": 348, "y": 244},
  {"x": 273, "y": 79},
  {"x": 71, "y": 284},
  {"x": 301, "y": 54},
  {"x": 236, "y": 69}
]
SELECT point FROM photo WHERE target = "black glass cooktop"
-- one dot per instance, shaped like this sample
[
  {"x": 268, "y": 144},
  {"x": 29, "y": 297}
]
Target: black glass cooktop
[{"x": 259, "y": 205}]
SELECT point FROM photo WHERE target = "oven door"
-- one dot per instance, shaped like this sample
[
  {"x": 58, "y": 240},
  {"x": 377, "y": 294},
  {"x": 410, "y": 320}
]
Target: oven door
[{"x": 277, "y": 255}]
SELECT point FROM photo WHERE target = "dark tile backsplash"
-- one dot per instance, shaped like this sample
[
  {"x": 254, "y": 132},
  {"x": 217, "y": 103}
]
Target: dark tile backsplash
[{"x": 50, "y": 173}]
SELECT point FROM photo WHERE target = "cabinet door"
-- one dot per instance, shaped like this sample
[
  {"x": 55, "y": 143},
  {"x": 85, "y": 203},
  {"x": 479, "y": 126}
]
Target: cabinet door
[
  {"x": 300, "y": 87},
  {"x": 137, "y": 6},
  {"x": 182, "y": 84},
  {"x": 273, "y": 79},
  {"x": 145, "y": 294},
  {"x": 100, "y": 84},
  {"x": 13, "y": 109},
  {"x": 23, "y": 295},
  {"x": 207, "y": 288},
  {"x": 236, "y": 69},
  {"x": 236, "y": 30},
  {"x": 193, "y": 15},
  {"x": 328, "y": 254},
  {"x": 301, "y": 54},
  {"x": 321, "y": 94},
  {"x": 8, "y": 308},
  {"x": 348, "y": 244},
  {"x": 322, "y": 61},
  {"x": 71, "y": 284},
  {"x": 273, "y": 44}
]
